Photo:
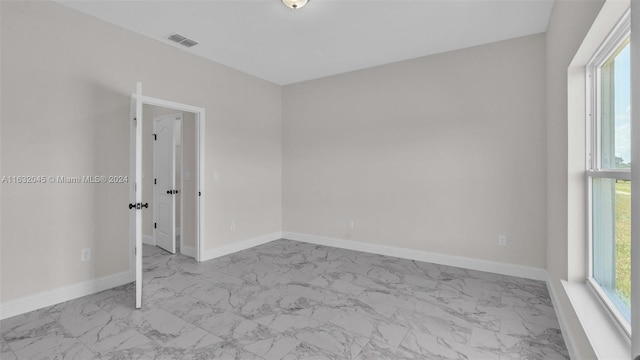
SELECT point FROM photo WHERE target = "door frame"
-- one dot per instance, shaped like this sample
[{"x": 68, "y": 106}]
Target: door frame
[{"x": 200, "y": 170}]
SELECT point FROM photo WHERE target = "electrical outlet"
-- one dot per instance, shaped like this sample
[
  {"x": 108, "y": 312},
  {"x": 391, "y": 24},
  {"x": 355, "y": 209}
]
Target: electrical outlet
[
  {"x": 232, "y": 225},
  {"x": 502, "y": 240},
  {"x": 85, "y": 255},
  {"x": 350, "y": 224}
]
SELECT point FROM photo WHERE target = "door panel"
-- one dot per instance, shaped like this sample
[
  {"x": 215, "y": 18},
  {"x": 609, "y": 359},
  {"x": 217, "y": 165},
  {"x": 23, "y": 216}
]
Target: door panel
[{"x": 164, "y": 169}]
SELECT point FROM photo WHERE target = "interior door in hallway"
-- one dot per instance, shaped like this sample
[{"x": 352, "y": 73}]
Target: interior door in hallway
[{"x": 164, "y": 164}]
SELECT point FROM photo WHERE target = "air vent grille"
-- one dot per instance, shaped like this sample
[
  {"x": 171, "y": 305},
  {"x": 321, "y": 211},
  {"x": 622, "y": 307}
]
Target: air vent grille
[
  {"x": 189, "y": 43},
  {"x": 182, "y": 40}
]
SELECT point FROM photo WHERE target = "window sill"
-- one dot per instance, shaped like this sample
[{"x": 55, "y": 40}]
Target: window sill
[{"x": 604, "y": 335}]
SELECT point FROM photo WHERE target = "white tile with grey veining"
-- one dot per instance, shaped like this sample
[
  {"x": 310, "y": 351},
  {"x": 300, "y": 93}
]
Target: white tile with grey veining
[
  {"x": 449, "y": 329},
  {"x": 35, "y": 335},
  {"x": 274, "y": 348},
  {"x": 5, "y": 351},
  {"x": 29, "y": 325},
  {"x": 310, "y": 352},
  {"x": 333, "y": 339},
  {"x": 336, "y": 300},
  {"x": 189, "y": 308},
  {"x": 319, "y": 315},
  {"x": 467, "y": 319},
  {"x": 65, "y": 349},
  {"x": 297, "y": 275},
  {"x": 383, "y": 351},
  {"x": 82, "y": 319},
  {"x": 395, "y": 299},
  {"x": 545, "y": 338},
  {"x": 169, "y": 330},
  {"x": 232, "y": 327},
  {"x": 510, "y": 347},
  {"x": 431, "y": 346},
  {"x": 227, "y": 296},
  {"x": 292, "y": 300},
  {"x": 116, "y": 335},
  {"x": 250, "y": 268},
  {"x": 367, "y": 323},
  {"x": 337, "y": 284},
  {"x": 276, "y": 301},
  {"x": 153, "y": 352},
  {"x": 148, "y": 351},
  {"x": 533, "y": 310},
  {"x": 280, "y": 322}
]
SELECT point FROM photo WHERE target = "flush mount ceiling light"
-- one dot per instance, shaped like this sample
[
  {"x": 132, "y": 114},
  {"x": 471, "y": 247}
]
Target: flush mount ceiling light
[{"x": 295, "y": 4}]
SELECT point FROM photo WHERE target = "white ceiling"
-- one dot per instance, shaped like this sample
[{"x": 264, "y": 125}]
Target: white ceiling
[{"x": 268, "y": 40}]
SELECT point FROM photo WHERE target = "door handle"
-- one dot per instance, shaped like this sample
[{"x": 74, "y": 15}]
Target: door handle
[
  {"x": 138, "y": 206},
  {"x": 171, "y": 192}
]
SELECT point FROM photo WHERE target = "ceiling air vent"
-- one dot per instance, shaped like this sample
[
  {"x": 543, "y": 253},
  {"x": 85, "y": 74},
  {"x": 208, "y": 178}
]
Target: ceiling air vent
[{"x": 182, "y": 40}]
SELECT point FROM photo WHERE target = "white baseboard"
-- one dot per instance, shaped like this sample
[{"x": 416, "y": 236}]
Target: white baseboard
[
  {"x": 38, "y": 301},
  {"x": 148, "y": 240},
  {"x": 188, "y": 251},
  {"x": 239, "y": 246},
  {"x": 451, "y": 260},
  {"x": 562, "y": 320}
]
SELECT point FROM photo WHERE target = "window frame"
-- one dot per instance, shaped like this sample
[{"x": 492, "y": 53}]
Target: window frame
[{"x": 620, "y": 34}]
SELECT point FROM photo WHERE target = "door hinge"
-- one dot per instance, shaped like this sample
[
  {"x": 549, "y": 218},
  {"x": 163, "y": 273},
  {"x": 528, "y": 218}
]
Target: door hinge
[
  {"x": 155, "y": 137},
  {"x": 199, "y": 193},
  {"x": 155, "y": 225},
  {"x": 155, "y": 181},
  {"x": 135, "y": 122}
]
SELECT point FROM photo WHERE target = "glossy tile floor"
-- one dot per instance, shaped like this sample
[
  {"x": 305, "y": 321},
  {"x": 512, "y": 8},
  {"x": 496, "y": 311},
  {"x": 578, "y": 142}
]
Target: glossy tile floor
[{"x": 293, "y": 300}]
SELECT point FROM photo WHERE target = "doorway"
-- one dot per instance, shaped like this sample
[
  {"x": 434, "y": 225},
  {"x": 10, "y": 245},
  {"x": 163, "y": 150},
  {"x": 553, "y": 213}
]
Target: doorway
[
  {"x": 169, "y": 172},
  {"x": 140, "y": 180},
  {"x": 169, "y": 179}
]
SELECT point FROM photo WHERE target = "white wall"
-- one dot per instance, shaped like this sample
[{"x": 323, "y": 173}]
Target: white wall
[
  {"x": 569, "y": 23},
  {"x": 66, "y": 85},
  {"x": 440, "y": 154}
]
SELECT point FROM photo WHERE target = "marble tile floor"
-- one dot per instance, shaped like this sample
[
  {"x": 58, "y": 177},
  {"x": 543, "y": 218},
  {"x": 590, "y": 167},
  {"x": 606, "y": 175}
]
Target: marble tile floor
[{"x": 293, "y": 300}]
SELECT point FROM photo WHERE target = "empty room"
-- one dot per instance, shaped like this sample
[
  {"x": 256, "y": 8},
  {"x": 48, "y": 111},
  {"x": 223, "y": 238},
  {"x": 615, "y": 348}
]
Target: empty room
[{"x": 319, "y": 179}]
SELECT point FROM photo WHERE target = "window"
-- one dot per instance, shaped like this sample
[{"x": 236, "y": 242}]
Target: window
[{"x": 609, "y": 173}]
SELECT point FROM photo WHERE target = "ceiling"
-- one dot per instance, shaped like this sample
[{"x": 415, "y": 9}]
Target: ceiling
[{"x": 326, "y": 37}]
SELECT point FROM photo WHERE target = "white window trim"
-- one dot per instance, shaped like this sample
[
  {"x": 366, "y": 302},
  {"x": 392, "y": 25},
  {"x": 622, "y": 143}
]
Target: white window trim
[
  {"x": 617, "y": 36},
  {"x": 612, "y": 311},
  {"x": 618, "y": 174}
]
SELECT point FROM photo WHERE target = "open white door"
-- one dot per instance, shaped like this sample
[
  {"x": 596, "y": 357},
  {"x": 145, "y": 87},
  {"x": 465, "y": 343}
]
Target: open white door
[
  {"x": 136, "y": 206},
  {"x": 164, "y": 167}
]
